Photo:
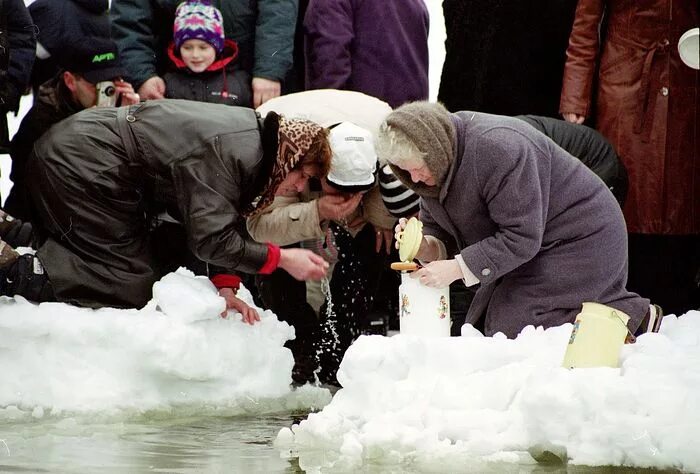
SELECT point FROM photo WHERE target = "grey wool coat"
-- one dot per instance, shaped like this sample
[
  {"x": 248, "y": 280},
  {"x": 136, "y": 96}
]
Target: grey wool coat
[{"x": 541, "y": 231}]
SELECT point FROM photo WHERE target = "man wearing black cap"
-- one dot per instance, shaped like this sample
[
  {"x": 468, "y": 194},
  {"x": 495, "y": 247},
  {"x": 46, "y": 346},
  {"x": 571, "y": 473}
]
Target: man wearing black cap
[{"x": 87, "y": 73}]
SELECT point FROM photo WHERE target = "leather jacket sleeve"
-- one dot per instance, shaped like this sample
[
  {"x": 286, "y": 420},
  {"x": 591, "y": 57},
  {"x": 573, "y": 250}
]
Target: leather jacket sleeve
[
  {"x": 207, "y": 195},
  {"x": 582, "y": 58}
]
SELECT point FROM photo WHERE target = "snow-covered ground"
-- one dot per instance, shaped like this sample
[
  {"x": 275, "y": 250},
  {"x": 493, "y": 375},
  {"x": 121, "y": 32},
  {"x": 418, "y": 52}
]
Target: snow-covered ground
[
  {"x": 175, "y": 353},
  {"x": 433, "y": 404},
  {"x": 461, "y": 404}
]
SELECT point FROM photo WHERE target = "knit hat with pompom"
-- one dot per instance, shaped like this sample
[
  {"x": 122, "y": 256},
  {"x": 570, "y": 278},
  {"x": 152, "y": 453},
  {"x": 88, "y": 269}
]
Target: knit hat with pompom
[{"x": 198, "y": 19}]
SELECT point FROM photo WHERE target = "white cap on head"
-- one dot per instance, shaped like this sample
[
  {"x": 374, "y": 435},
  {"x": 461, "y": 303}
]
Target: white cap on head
[{"x": 354, "y": 161}]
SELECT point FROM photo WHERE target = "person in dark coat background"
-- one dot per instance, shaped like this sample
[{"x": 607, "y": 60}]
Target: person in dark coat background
[
  {"x": 505, "y": 57},
  {"x": 377, "y": 48},
  {"x": 295, "y": 80},
  {"x": 203, "y": 60},
  {"x": 589, "y": 146},
  {"x": 532, "y": 225},
  {"x": 262, "y": 29},
  {"x": 62, "y": 26},
  {"x": 624, "y": 71},
  {"x": 17, "y": 45},
  {"x": 73, "y": 89},
  {"x": 100, "y": 174}
]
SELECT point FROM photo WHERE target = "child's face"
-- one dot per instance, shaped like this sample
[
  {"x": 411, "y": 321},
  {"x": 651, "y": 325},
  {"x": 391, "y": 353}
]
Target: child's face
[{"x": 198, "y": 55}]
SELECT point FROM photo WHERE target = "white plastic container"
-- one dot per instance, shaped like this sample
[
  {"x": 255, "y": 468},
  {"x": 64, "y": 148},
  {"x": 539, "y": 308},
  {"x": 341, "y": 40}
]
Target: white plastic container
[{"x": 424, "y": 311}]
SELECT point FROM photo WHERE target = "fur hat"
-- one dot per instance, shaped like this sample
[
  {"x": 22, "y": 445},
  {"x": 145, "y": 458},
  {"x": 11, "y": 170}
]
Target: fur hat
[
  {"x": 398, "y": 199},
  {"x": 198, "y": 19},
  {"x": 429, "y": 127},
  {"x": 354, "y": 161}
]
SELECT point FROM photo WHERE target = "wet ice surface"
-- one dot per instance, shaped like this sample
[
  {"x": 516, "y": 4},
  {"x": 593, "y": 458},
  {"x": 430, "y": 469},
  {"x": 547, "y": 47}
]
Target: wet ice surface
[
  {"x": 172, "y": 443},
  {"x": 472, "y": 403}
]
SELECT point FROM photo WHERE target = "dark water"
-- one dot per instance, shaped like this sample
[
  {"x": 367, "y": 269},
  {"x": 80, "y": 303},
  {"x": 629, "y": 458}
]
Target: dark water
[
  {"x": 187, "y": 445},
  {"x": 192, "y": 445}
]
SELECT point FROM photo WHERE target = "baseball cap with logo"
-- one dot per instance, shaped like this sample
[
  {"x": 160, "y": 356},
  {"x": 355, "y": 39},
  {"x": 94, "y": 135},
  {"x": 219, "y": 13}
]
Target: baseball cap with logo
[
  {"x": 95, "y": 58},
  {"x": 354, "y": 161}
]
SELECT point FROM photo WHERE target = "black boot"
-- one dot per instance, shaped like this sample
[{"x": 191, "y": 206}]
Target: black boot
[
  {"x": 25, "y": 276},
  {"x": 650, "y": 323}
]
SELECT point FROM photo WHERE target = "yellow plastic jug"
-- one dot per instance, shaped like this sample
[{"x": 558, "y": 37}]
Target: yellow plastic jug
[{"x": 598, "y": 334}]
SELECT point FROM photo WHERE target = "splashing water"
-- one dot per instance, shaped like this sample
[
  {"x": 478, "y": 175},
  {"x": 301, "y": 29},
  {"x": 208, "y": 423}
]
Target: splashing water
[{"x": 329, "y": 344}]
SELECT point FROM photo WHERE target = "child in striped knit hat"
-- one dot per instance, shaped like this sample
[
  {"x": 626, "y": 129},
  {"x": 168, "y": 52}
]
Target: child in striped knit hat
[{"x": 204, "y": 61}]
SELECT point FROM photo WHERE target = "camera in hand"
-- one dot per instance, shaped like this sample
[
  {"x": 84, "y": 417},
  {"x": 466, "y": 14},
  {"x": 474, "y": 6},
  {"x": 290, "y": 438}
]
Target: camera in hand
[{"x": 106, "y": 94}]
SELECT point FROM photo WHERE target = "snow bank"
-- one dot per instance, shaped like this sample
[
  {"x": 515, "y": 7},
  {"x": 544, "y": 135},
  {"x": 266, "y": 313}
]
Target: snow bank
[
  {"x": 174, "y": 353},
  {"x": 454, "y": 402}
]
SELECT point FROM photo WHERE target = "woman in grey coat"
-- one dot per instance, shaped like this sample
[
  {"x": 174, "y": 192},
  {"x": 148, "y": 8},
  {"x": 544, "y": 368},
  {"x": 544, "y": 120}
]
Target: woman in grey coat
[{"x": 532, "y": 226}]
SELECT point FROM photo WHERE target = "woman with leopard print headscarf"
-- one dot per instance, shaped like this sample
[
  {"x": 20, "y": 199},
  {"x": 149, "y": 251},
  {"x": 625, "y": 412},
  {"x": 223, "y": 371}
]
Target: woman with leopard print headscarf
[{"x": 101, "y": 176}]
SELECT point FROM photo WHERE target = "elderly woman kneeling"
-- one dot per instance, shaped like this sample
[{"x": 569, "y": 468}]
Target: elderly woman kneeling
[{"x": 506, "y": 209}]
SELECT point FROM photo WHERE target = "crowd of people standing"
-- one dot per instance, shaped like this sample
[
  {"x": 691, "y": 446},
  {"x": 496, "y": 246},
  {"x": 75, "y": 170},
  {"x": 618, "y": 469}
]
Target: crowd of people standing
[{"x": 283, "y": 142}]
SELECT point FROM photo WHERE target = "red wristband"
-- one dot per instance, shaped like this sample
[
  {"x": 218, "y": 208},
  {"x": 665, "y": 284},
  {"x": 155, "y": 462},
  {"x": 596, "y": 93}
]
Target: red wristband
[
  {"x": 273, "y": 259},
  {"x": 226, "y": 281}
]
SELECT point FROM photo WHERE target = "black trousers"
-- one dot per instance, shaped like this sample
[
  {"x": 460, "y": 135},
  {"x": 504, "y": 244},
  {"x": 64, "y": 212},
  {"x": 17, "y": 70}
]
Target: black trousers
[
  {"x": 460, "y": 300},
  {"x": 286, "y": 297}
]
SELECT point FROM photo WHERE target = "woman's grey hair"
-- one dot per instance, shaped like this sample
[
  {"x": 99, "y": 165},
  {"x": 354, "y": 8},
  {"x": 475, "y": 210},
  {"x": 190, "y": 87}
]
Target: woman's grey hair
[{"x": 393, "y": 146}]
